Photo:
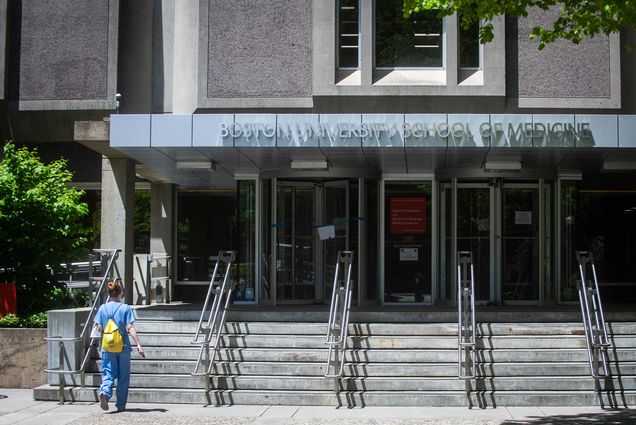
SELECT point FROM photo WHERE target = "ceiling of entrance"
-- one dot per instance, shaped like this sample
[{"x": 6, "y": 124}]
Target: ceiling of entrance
[{"x": 160, "y": 164}]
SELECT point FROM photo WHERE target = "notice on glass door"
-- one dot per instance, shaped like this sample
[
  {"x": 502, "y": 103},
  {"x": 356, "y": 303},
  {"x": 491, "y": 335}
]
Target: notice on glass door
[
  {"x": 408, "y": 254},
  {"x": 523, "y": 217}
]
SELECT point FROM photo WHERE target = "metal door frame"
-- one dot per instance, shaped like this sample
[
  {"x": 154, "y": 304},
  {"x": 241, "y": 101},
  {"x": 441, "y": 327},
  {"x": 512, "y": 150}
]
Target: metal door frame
[{"x": 319, "y": 216}]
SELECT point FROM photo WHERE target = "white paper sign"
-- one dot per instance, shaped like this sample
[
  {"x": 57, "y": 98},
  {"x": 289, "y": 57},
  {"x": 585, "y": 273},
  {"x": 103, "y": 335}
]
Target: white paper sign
[
  {"x": 523, "y": 217},
  {"x": 327, "y": 232},
  {"x": 408, "y": 254}
]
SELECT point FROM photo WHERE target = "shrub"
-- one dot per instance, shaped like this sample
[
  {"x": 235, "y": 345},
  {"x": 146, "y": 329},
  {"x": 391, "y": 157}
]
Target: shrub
[{"x": 39, "y": 224}]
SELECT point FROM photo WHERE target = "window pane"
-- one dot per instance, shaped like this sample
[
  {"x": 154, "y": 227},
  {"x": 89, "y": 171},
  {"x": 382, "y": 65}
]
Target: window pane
[
  {"x": 598, "y": 214},
  {"x": 245, "y": 288},
  {"x": 469, "y": 46},
  {"x": 406, "y": 42},
  {"x": 348, "y": 34}
]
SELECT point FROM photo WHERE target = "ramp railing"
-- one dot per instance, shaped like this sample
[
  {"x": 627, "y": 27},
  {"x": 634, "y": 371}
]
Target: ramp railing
[
  {"x": 466, "y": 329},
  {"x": 338, "y": 326},
  {"x": 596, "y": 337},
  {"x": 215, "y": 307},
  {"x": 111, "y": 272}
]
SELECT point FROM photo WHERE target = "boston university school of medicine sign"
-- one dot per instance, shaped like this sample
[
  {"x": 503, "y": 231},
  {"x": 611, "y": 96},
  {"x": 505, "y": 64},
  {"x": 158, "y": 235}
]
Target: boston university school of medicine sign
[
  {"x": 522, "y": 134},
  {"x": 373, "y": 130}
]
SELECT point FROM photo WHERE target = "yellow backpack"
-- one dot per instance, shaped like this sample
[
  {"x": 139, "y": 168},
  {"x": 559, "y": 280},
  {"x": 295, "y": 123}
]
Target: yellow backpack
[{"x": 112, "y": 340}]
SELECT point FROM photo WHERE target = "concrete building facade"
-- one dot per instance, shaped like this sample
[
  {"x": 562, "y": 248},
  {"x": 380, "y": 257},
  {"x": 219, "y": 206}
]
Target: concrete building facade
[{"x": 290, "y": 131}]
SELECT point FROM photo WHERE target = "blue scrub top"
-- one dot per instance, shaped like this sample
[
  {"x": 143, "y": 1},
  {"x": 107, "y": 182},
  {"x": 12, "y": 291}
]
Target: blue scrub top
[{"x": 121, "y": 313}]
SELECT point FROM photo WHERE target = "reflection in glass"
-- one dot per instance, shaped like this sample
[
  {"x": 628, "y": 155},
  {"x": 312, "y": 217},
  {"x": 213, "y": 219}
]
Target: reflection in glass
[
  {"x": 206, "y": 224},
  {"x": 598, "y": 214},
  {"x": 415, "y": 41},
  {"x": 295, "y": 243},
  {"x": 407, "y": 246},
  {"x": 348, "y": 34},
  {"x": 520, "y": 244},
  {"x": 469, "y": 46},
  {"x": 245, "y": 284},
  {"x": 473, "y": 234}
]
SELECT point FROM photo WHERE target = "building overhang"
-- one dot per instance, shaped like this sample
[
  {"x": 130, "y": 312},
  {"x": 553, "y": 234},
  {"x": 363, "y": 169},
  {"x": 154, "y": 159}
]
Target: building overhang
[{"x": 251, "y": 144}]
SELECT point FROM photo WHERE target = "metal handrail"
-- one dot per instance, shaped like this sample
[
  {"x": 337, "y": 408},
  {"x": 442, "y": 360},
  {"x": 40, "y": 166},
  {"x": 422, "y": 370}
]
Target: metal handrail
[
  {"x": 596, "y": 337},
  {"x": 338, "y": 326},
  {"x": 111, "y": 272},
  {"x": 466, "y": 329},
  {"x": 216, "y": 316}
]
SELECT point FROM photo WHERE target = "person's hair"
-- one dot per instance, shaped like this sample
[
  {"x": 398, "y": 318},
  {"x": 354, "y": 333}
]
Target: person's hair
[{"x": 114, "y": 288}]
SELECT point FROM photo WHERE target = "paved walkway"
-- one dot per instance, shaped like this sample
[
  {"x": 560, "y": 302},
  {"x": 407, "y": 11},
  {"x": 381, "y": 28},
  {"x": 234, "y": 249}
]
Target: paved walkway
[{"x": 18, "y": 407}]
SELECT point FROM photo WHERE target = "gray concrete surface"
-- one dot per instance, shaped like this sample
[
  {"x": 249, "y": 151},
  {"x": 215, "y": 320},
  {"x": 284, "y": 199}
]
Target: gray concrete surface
[{"x": 18, "y": 407}]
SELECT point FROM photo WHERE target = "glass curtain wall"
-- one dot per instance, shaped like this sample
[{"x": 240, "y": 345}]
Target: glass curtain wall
[
  {"x": 246, "y": 243},
  {"x": 598, "y": 214},
  {"x": 407, "y": 242}
]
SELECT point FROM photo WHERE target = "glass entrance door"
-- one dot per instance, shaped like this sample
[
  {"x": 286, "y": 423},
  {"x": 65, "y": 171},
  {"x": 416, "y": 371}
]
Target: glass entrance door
[
  {"x": 295, "y": 242},
  {"x": 474, "y": 231},
  {"x": 336, "y": 214},
  {"x": 311, "y": 226},
  {"x": 520, "y": 243},
  {"x": 499, "y": 223}
]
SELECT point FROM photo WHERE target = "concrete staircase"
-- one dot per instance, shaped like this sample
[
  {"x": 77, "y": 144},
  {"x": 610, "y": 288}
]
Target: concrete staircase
[{"x": 413, "y": 363}]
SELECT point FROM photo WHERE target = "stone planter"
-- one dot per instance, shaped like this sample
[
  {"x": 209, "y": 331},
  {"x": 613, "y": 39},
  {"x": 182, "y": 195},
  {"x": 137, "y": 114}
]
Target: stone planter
[{"x": 23, "y": 357}]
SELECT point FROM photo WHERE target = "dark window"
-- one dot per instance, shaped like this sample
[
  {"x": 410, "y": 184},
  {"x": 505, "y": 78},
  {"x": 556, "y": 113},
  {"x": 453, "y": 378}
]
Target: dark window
[
  {"x": 348, "y": 34},
  {"x": 415, "y": 41},
  {"x": 469, "y": 46}
]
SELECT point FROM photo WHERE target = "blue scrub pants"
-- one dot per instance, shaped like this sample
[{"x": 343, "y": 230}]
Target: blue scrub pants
[{"x": 116, "y": 366}]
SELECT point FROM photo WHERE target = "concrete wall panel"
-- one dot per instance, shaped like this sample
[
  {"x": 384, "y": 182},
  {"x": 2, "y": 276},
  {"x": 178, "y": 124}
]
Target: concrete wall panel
[
  {"x": 562, "y": 69},
  {"x": 63, "y": 51},
  {"x": 259, "y": 48}
]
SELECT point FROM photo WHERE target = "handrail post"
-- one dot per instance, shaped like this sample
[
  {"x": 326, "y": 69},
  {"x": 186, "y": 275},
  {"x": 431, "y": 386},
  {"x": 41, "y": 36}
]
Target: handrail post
[
  {"x": 107, "y": 257},
  {"x": 596, "y": 336},
  {"x": 339, "y": 309},
  {"x": 217, "y": 312},
  {"x": 466, "y": 322}
]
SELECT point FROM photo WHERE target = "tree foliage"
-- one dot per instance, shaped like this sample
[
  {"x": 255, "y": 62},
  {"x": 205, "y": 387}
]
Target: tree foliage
[
  {"x": 578, "y": 18},
  {"x": 39, "y": 223}
]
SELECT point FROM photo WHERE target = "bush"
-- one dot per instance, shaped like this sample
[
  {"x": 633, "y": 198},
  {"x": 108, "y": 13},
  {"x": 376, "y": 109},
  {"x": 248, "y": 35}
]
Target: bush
[
  {"x": 39, "y": 225},
  {"x": 37, "y": 320}
]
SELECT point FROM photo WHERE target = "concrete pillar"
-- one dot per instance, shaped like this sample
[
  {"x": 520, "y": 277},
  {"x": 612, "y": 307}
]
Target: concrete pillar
[
  {"x": 162, "y": 200},
  {"x": 162, "y": 236},
  {"x": 117, "y": 224}
]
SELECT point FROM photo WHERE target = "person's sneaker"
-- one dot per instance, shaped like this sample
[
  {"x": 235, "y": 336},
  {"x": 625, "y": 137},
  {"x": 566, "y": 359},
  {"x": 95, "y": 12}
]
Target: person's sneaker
[{"x": 103, "y": 402}]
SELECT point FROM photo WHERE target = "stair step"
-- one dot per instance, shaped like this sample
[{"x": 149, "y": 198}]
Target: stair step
[
  {"x": 351, "y": 398},
  {"x": 319, "y": 383},
  {"x": 368, "y": 369}
]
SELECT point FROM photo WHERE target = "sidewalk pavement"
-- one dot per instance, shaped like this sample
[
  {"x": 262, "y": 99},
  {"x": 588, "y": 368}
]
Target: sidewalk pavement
[{"x": 18, "y": 407}]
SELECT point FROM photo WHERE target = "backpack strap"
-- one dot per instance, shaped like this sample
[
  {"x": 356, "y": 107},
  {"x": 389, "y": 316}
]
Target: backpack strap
[{"x": 112, "y": 316}]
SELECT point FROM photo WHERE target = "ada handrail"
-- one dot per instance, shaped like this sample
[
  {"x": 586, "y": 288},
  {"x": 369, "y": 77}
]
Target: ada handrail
[
  {"x": 466, "y": 329},
  {"x": 110, "y": 272},
  {"x": 338, "y": 326},
  {"x": 596, "y": 337},
  {"x": 216, "y": 311}
]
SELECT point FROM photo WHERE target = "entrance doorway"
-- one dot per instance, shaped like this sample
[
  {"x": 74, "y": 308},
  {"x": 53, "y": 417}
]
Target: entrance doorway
[
  {"x": 311, "y": 225},
  {"x": 499, "y": 222}
]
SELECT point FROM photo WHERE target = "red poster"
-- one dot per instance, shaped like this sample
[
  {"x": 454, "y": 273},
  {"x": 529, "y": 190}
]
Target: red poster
[{"x": 407, "y": 215}]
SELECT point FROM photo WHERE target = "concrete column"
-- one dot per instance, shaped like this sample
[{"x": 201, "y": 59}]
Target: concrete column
[
  {"x": 162, "y": 200},
  {"x": 452, "y": 50},
  {"x": 118, "y": 205},
  {"x": 162, "y": 235},
  {"x": 366, "y": 42}
]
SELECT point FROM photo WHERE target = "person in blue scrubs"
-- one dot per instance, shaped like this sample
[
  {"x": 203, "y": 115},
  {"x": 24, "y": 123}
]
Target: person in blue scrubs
[{"x": 116, "y": 365}]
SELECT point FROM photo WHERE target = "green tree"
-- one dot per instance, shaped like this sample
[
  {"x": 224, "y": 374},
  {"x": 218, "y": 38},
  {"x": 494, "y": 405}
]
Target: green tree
[
  {"x": 39, "y": 224},
  {"x": 577, "y": 20}
]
